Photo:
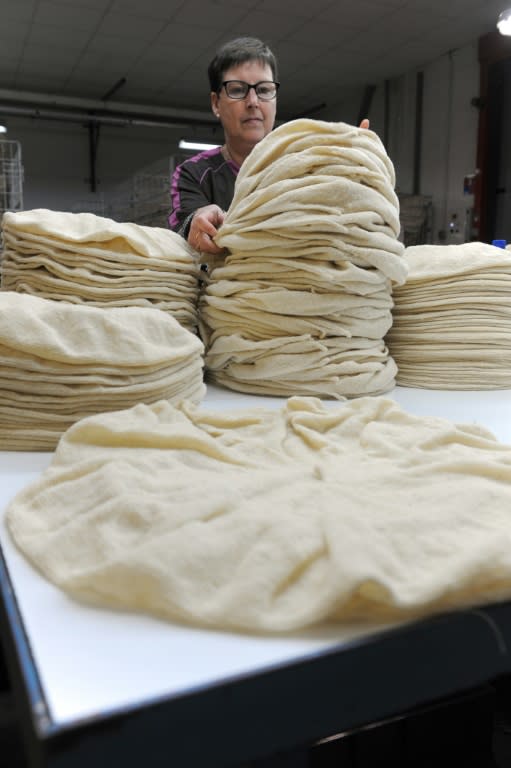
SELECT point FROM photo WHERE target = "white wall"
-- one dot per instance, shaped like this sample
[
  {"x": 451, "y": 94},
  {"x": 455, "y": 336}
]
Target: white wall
[
  {"x": 451, "y": 154},
  {"x": 449, "y": 133}
]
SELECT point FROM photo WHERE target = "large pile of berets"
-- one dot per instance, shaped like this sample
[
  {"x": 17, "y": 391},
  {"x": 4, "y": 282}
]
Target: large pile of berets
[
  {"x": 60, "y": 362},
  {"x": 303, "y": 300},
  {"x": 84, "y": 258},
  {"x": 452, "y": 318}
]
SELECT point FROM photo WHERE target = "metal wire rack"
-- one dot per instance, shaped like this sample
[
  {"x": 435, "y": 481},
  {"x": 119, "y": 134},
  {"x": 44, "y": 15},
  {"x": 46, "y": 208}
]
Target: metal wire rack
[
  {"x": 145, "y": 197},
  {"x": 415, "y": 215},
  {"x": 11, "y": 177}
]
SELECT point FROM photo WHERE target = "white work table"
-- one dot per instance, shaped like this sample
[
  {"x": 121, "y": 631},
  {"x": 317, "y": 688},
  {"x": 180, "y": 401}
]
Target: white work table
[{"x": 92, "y": 681}]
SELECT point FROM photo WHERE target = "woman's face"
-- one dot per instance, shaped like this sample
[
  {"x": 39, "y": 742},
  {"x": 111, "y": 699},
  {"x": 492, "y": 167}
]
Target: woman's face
[{"x": 245, "y": 121}]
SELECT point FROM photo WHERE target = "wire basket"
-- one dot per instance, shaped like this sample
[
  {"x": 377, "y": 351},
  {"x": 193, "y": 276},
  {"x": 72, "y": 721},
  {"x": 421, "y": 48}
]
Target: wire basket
[{"x": 11, "y": 177}]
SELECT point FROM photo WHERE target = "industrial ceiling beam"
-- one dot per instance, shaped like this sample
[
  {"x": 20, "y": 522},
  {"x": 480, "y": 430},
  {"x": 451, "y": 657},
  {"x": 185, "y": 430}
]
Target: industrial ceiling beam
[{"x": 56, "y": 107}]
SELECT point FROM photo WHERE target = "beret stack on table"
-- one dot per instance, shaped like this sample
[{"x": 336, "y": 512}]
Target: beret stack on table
[
  {"x": 452, "y": 318},
  {"x": 87, "y": 259},
  {"x": 60, "y": 362},
  {"x": 304, "y": 297}
]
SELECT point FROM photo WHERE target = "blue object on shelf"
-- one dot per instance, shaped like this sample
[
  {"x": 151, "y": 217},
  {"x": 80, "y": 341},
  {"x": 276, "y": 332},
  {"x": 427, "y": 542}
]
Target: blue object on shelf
[{"x": 499, "y": 243}]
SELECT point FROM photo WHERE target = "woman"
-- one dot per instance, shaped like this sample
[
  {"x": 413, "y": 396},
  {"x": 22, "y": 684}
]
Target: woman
[
  {"x": 244, "y": 85},
  {"x": 243, "y": 80}
]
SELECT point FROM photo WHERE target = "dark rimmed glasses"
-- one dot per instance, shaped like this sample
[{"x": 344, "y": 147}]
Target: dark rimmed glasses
[{"x": 266, "y": 90}]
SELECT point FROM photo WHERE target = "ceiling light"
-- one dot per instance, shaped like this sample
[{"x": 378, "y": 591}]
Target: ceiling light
[
  {"x": 504, "y": 22},
  {"x": 3, "y": 128},
  {"x": 183, "y": 144}
]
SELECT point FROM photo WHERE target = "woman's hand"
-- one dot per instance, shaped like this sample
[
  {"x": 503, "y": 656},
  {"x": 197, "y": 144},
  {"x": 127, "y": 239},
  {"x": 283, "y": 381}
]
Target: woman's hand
[
  {"x": 204, "y": 227},
  {"x": 364, "y": 123}
]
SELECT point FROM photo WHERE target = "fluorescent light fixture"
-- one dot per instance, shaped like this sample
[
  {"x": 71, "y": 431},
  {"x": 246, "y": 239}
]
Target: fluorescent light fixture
[
  {"x": 183, "y": 144},
  {"x": 504, "y": 22},
  {"x": 3, "y": 128}
]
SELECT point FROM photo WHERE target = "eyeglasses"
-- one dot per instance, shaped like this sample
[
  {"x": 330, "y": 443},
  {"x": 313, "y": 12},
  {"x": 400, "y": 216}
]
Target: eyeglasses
[{"x": 266, "y": 90}]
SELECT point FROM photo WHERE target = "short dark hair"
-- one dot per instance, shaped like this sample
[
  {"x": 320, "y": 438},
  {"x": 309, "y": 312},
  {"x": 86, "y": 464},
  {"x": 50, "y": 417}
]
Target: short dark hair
[{"x": 237, "y": 52}]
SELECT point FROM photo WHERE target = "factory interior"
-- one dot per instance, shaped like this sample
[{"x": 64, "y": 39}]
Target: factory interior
[{"x": 265, "y": 526}]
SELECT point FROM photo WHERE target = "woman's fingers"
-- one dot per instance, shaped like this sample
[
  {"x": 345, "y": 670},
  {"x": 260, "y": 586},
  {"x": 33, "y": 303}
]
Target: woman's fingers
[
  {"x": 204, "y": 227},
  {"x": 205, "y": 244}
]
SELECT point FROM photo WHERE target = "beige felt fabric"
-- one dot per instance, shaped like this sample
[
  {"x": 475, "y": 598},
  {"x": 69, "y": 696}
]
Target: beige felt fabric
[
  {"x": 88, "y": 229},
  {"x": 84, "y": 258},
  {"x": 311, "y": 252},
  {"x": 60, "y": 362},
  {"x": 359, "y": 511},
  {"x": 452, "y": 318},
  {"x": 297, "y": 184},
  {"x": 302, "y": 273},
  {"x": 442, "y": 262}
]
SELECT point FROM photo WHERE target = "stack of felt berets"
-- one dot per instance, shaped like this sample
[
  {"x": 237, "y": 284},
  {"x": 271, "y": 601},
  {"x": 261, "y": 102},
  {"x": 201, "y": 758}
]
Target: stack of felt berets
[
  {"x": 303, "y": 299},
  {"x": 84, "y": 258},
  {"x": 60, "y": 362},
  {"x": 452, "y": 318}
]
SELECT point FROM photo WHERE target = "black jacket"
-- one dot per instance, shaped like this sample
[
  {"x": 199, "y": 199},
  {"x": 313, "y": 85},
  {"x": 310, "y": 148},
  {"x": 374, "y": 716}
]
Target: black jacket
[{"x": 200, "y": 180}]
